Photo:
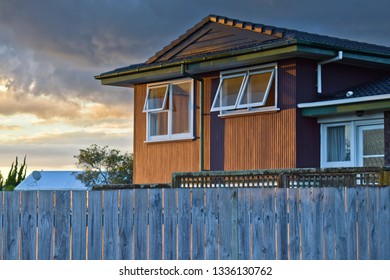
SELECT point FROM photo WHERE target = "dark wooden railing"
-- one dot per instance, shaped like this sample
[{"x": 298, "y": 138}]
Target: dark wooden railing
[{"x": 287, "y": 178}]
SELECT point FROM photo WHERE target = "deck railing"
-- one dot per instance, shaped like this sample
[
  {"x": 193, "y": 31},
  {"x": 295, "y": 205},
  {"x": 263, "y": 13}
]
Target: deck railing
[{"x": 286, "y": 178}]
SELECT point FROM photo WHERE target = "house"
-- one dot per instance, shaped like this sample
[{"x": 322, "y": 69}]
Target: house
[
  {"x": 235, "y": 95},
  {"x": 51, "y": 180}
]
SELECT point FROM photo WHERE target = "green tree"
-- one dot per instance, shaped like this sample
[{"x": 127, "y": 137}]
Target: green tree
[
  {"x": 15, "y": 176},
  {"x": 1, "y": 182},
  {"x": 104, "y": 166}
]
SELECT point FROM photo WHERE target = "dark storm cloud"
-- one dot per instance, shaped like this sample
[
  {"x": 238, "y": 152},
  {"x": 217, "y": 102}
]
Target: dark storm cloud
[{"x": 56, "y": 47}]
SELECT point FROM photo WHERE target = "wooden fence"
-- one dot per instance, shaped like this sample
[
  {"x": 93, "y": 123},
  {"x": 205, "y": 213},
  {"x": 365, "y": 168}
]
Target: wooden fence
[{"x": 197, "y": 223}]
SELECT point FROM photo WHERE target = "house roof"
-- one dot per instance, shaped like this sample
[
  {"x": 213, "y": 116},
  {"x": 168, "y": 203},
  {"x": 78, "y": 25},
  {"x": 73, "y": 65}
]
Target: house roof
[
  {"x": 51, "y": 180},
  {"x": 374, "y": 95},
  {"x": 218, "y": 39}
]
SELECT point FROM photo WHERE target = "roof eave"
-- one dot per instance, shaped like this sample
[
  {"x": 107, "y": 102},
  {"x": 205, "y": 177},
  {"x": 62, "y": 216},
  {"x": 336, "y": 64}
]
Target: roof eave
[{"x": 216, "y": 62}]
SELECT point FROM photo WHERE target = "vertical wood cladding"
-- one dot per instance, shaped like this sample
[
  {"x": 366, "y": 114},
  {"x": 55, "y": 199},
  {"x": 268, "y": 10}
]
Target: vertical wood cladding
[
  {"x": 155, "y": 162},
  {"x": 387, "y": 137},
  {"x": 268, "y": 140}
]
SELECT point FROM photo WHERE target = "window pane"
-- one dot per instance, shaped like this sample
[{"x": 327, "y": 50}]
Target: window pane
[
  {"x": 338, "y": 143},
  {"x": 229, "y": 90},
  {"x": 181, "y": 108},
  {"x": 256, "y": 87},
  {"x": 373, "y": 142},
  {"x": 156, "y": 97},
  {"x": 374, "y": 161},
  {"x": 158, "y": 123}
]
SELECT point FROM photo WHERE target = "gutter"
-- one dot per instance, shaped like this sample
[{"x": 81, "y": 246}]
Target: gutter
[
  {"x": 344, "y": 101},
  {"x": 201, "y": 101}
]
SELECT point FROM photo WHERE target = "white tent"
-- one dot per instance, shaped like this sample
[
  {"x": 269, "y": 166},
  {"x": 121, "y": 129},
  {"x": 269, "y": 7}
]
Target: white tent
[{"x": 51, "y": 180}]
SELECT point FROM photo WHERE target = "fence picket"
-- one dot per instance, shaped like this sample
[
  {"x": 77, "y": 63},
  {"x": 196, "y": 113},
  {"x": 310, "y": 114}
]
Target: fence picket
[
  {"x": 373, "y": 224},
  {"x": 170, "y": 223},
  {"x": 155, "y": 224},
  {"x": 184, "y": 224},
  {"x": 351, "y": 220},
  {"x": 257, "y": 212},
  {"x": 95, "y": 225},
  {"x": 282, "y": 222},
  {"x": 228, "y": 224},
  {"x": 341, "y": 224},
  {"x": 212, "y": 223},
  {"x": 384, "y": 223},
  {"x": 28, "y": 225},
  {"x": 141, "y": 214},
  {"x": 11, "y": 226},
  {"x": 62, "y": 226},
  {"x": 329, "y": 223},
  {"x": 362, "y": 219},
  {"x": 1, "y": 226},
  {"x": 198, "y": 250},
  {"x": 110, "y": 222},
  {"x": 244, "y": 224},
  {"x": 79, "y": 225},
  {"x": 126, "y": 222},
  {"x": 294, "y": 224},
  {"x": 317, "y": 200},
  {"x": 306, "y": 223},
  {"x": 268, "y": 225},
  {"x": 45, "y": 225}
]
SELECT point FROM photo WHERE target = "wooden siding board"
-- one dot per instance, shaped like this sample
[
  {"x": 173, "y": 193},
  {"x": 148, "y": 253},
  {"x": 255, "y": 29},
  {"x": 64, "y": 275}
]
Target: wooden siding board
[
  {"x": 79, "y": 225},
  {"x": 126, "y": 223},
  {"x": 141, "y": 232},
  {"x": 155, "y": 224},
  {"x": 170, "y": 224},
  {"x": 11, "y": 226},
  {"x": 111, "y": 229},
  {"x": 62, "y": 226},
  {"x": 95, "y": 220},
  {"x": 28, "y": 225},
  {"x": 45, "y": 225},
  {"x": 212, "y": 221}
]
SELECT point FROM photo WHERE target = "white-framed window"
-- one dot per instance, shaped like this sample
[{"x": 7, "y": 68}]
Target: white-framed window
[
  {"x": 352, "y": 143},
  {"x": 169, "y": 108},
  {"x": 247, "y": 90}
]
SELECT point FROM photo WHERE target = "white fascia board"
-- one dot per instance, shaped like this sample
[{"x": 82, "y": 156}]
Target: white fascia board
[{"x": 344, "y": 101}]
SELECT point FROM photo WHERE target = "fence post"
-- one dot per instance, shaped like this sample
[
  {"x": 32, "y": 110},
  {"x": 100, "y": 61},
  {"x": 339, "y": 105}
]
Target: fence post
[{"x": 384, "y": 178}]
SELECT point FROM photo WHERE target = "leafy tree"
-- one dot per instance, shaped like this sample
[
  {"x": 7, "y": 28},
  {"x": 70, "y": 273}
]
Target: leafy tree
[
  {"x": 1, "y": 181},
  {"x": 104, "y": 166},
  {"x": 15, "y": 176}
]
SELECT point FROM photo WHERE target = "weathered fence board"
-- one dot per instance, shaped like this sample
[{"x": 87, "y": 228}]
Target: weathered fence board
[
  {"x": 384, "y": 223},
  {"x": 294, "y": 225},
  {"x": 45, "y": 225},
  {"x": 126, "y": 221},
  {"x": 79, "y": 225},
  {"x": 28, "y": 226},
  {"x": 212, "y": 219},
  {"x": 11, "y": 226},
  {"x": 1, "y": 225},
  {"x": 155, "y": 224},
  {"x": 197, "y": 223},
  {"x": 62, "y": 226},
  {"x": 110, "y": 222},
  {"x": 170, "y": 222},
  {"x": 141, "y": 215},
  {"x": 95, "y": 210},
  {"x": 184, "y": 225}
]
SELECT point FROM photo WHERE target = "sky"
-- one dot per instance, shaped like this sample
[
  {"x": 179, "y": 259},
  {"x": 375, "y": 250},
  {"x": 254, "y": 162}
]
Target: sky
[{"x": 50, "y": 104}]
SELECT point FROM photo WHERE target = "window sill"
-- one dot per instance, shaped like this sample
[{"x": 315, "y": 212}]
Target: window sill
[
  {"x": 251, "y": 112},
  {"x": 169, "y": 140}
]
